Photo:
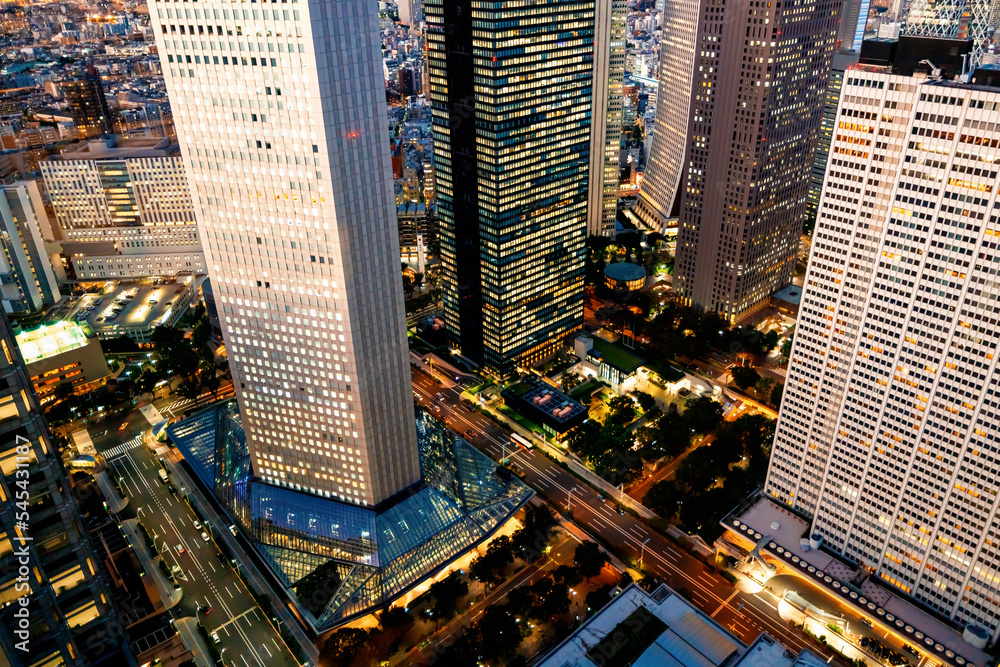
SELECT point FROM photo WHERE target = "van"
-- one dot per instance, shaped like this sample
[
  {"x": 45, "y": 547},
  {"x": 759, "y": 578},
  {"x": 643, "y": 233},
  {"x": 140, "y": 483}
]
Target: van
[{"x": 163, "y": 475}]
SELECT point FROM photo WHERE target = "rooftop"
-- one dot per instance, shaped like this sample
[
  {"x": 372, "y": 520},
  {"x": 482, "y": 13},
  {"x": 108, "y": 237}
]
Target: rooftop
[
  {"x": 791, "y": 294},
  {"x": 616, "y": 356},
  {"x": 624, "y": 271},
  {"x": 49, "y": 340},
  {"x": 546, "y": 398},
  {"x": 117, "y": 148}
]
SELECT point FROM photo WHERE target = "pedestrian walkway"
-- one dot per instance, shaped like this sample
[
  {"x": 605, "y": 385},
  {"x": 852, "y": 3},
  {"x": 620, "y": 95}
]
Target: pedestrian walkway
[
  {"x": 120, "y": 450},
  {"x": 151, "y": 414}
]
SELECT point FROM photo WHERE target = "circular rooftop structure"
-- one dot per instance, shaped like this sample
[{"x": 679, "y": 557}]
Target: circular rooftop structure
[{"x": 624, "y": 276}]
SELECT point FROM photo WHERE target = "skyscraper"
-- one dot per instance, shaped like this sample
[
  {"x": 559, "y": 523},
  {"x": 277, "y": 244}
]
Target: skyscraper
[
  {"x": 511, "y": 95},
  {"x": 606, "y": 116},
  {"x": 85, "y": 97},
  {"x": 124, "y": 208},
  {"x": 286, "y": 154},
  {"x": 755, "y": 115},
  {"x": 27, "y": 281},
  {"x": 841, "y": 62},
  {"x": 57, "y": 609},
  {"x": 853, "y": 22},
  {"x": 280, "y": 113},
  {"x": 952, "y": 19},
  {"x": 660, "y": 195},
  {"x": 888, "y": 432}
]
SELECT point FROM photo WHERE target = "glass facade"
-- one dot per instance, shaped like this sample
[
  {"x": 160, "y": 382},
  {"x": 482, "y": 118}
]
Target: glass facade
[
  {"x": 380, "y": 552},
  {"x": 510, "y": 87}
]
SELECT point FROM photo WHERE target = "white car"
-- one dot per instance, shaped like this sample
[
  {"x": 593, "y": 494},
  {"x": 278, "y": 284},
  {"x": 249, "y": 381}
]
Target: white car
[
  {"x": 215, "y": 638},
  {"x": 205, "y": 537},
  {"x": 197, "y": 526}
]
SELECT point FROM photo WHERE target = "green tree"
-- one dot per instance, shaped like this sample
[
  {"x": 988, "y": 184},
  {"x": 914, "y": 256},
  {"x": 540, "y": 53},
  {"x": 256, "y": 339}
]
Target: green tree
[
  {"x": 770, "y": 340},
  {"x": 599, "y": 597},
  {"x": 699, "y": 469},
  {"x": 703, "y": 414},
  {"x": 646, "y": 401},
  {"x": 343, "y": 646},
  {"x": 763, "y": 386},
  {"x": 489, "y": 567},
  {"x": 786, "y": 347},
  {"x": 589, "y": 559},
  {"x": 446, "y": 594},
  {"x": 664, "y": 497},
  {"x": 776, "y": 394},
  {"x": 567, "y": 574},
  {"x": 745, "y": 377}
]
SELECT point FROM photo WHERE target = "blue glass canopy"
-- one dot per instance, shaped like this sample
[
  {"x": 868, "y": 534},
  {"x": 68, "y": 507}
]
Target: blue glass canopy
[{"x": 378, "y": 554}]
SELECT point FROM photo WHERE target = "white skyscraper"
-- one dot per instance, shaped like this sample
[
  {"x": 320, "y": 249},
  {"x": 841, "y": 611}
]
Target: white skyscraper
[
  {"x": 27, "y": 280},
  {"x": 888, "y": 432},
  {"x": 280, "y": 113}
]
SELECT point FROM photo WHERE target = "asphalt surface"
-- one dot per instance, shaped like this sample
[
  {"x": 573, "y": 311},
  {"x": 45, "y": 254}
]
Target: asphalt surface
[
  {"x": 746, "y": 615},
  {"x": 244, "y": 632}
]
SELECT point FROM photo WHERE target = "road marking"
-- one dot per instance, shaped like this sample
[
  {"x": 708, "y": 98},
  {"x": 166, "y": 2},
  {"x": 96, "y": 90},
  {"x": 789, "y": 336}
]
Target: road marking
[
  {"x": 723, "y": 605},
  {"x": 211, "y": 566},
  {"x": 767, "y": 603},
  {"x": 264, "y": 646},
  {"x": 226, "y": 588},
  {"x": 120, "y": 450}
]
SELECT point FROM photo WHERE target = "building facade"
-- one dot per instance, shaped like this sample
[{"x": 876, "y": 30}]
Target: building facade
[
  {"x": 88, "y": 105},
  {"x": 659, "y": 197},
  {"x": 511, "y": 91},
  {"x": 887, "y": 435},
  {"x": 124, "y": 209},
  {"x": 841, "y": 62},
  {"x": 60, "y": 613},
  {"x": 606, "y": 116},
  {"x": 755, "y": 116},
  {"x": 27, "y": 280}
]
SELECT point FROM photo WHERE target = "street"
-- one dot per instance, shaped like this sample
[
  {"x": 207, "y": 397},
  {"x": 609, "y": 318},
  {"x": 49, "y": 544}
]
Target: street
[
  {"x": 246, "y": 636},
  {"x": 747, "y": 615}
]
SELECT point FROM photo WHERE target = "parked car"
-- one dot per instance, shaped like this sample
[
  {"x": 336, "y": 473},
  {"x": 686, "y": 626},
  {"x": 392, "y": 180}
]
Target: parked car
[
  {"x": 196, "y": 524},
  {"x": 205, "y": 537}
]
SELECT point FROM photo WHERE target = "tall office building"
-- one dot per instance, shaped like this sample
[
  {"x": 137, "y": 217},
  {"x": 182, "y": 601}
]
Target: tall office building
[
  {"x": 888, "y": 432},
  {"x": 511, "y": 95},
  {"x": 86, "y": 101},
  {"x": 54, "y": 607},
  {"x": 280, "y": 112},
  {"x": 124, "y": 209},
  {"x": 27, "y": 281},
  {"x": 753, "y": 126},
  {"x": 660, "y": 194},
  {"x": 606, "y": 116},
  {"x": 853, "y": 22},
  {"x": 841, "y": 63}
]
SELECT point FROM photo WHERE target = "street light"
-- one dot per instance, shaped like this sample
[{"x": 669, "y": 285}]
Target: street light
[
  {"x": 569, "y": 499},
  {"x": 642, "y": 551}
]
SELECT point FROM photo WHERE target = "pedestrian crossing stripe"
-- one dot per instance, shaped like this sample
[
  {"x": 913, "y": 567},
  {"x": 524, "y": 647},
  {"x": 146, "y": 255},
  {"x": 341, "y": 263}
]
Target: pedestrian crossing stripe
[{"x": 119, "y": 450}]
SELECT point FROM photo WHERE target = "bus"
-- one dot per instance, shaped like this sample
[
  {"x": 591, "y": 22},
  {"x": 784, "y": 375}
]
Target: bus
[{"x": 521, "y": 442}]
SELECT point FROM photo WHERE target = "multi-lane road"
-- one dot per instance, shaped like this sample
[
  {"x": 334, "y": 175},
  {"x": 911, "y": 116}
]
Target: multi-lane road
[
  {"x": 206, "y": 578},
  {"x": 747, "y": 615}
]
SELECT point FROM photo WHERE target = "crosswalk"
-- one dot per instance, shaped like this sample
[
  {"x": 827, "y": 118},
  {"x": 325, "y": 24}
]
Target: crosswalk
[{"x": 121, "y": 449}]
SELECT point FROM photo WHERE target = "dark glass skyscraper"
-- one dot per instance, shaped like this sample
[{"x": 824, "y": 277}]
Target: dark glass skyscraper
[
  {"x": 510, "y": 85},
  {"x": 85, "y": 97}
]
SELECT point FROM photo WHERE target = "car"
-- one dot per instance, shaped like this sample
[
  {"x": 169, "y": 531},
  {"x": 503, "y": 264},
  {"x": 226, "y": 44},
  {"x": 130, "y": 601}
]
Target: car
[
  {"x": 912, "y": 651},
  {"x": 469, "y": 408},
  {"x": 204, "y": 608},
  {"x": 98, "y": 302},
  {"x": 176, "y": 570},
  {"x": 181, "y": 549},
  {"x": 437, "y": 408},
  {"x": 205, "y": 537},
  {"x": 215, "y": 638},
  {"x": 153, "y": 302},
  {"x": 867, "y": 623},
  {"x": 221, "y": 557},
  {"x": 232, "y": 529},
  {"x": 171, "y": 488},
  {"x": 621, "y": 510},
  {"x": 600, "y": 496},
  {"x": 439, "y": 396},
  {"x": 470, "y": 433},
  {"x": 196, "y": 524}
]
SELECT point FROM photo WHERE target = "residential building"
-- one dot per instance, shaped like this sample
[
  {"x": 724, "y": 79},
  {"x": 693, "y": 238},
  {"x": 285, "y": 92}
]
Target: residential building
[
  {"x": 319, "y": 460},
  {"x": 662, "y": 628},
  {"x": 660, "y": 195},
  {"x": 606, "y": 117},
  {"x": 88, "y": 105},
  {"x": 753, "y": 127},
  {"x": 512, "y": 169},
  {"x": 887, "y": 436},
  {"x": 60, "y": 612},
  {"x": 841, "y": 63},
  {"x": 27, "y": 280},
  {"x": 124, "y": 209}
]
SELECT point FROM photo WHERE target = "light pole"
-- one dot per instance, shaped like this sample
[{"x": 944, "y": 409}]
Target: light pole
[
  {"x": 642, "y": 551},
  {"x": 569, "y": 499}
]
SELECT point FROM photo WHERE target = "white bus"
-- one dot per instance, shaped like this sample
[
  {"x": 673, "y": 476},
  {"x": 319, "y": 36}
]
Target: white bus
[{"x": 521, "y": 442}]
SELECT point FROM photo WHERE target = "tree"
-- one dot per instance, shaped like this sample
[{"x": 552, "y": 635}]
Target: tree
[
  {"x": 395, "y": 617},
  {"x": 699, "y": 469},
  {"x": 776, "y": 394},
  {"x": 770, "y": 340},
  {"x": 599, "y": 597},
  {"x": 342, "y": 646},
  {"x": 703, "y": 414},
  {"x": 567, "y": 574},
  {"x": 786, "y": 347},
  {"x": 745, "y": 377},
  {"x": 189, "y": 388},
  {"x": 489, "y": 567},
  {"x": 446, "y": 594},
  {"x": 589, "y": 559},
  {"x": 500, "y": 633},
  {"x": 763, "y": 386},
  {"x": 549, "y": 599},
  {"x": 646, "y": 401},
  {"x": 664, "y": 497}
]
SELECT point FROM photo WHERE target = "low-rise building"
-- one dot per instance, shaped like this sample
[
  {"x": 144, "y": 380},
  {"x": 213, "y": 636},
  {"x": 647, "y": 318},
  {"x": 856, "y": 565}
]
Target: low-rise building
[
  {"x": 608, "y": 362},
  {"x": 545, "y": 405},
  {"x": 661, "y": 628},
  {"x": 61, "y": 353}
]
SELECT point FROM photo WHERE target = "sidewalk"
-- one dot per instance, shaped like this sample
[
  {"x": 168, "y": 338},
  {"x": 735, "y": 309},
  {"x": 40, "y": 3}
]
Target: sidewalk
[
  {"x": 259, "y": 583},
  {"x": 188, "y": 630},
  {"x": 170, "y": 595}
]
